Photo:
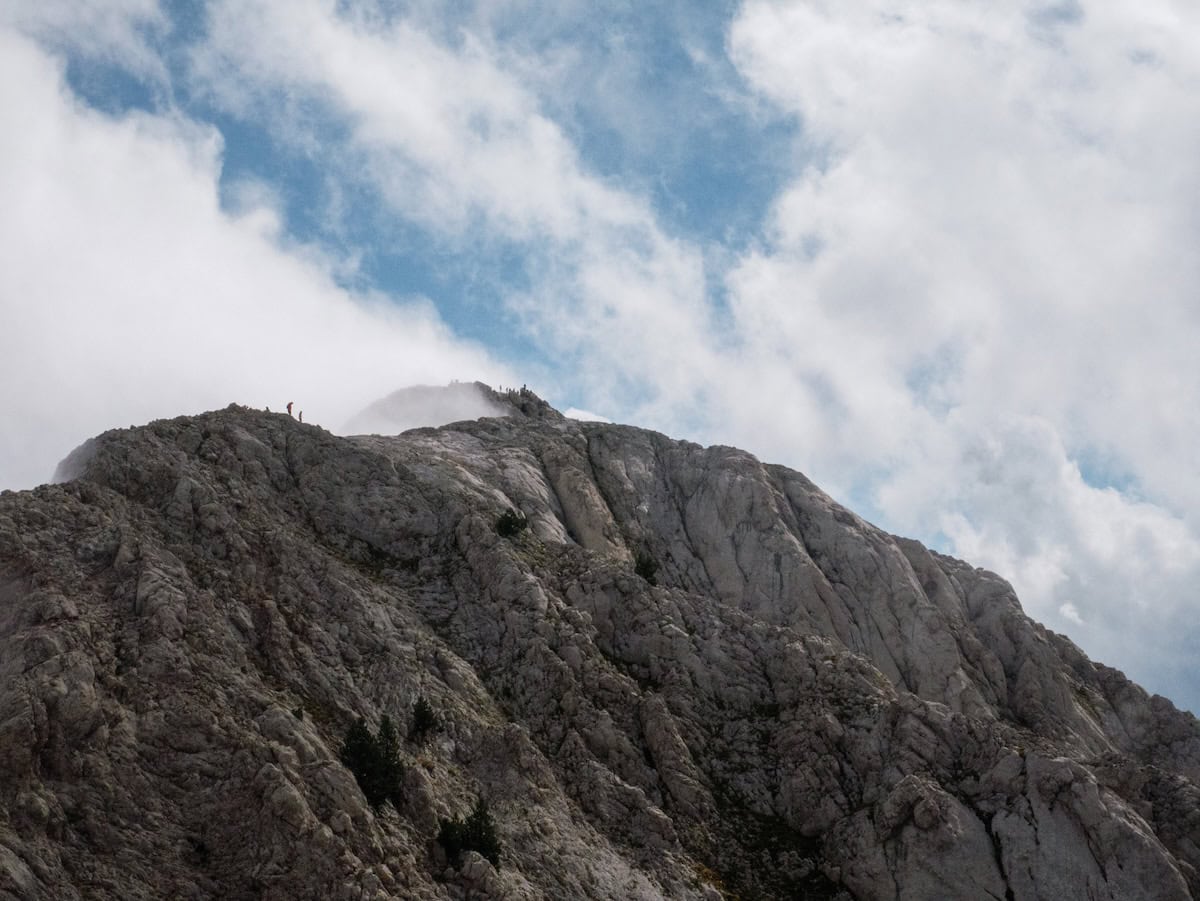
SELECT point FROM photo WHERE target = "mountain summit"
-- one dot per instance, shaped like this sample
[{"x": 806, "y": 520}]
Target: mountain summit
[{"x": 526, "y": 657}]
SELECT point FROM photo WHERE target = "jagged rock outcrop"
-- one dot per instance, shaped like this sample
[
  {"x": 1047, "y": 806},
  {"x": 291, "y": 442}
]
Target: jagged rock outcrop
[{"x": 802, "y": 706}]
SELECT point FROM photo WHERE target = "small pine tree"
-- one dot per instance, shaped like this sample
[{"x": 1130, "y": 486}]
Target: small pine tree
[
  {"x": 646, "y": 567},
  {"x": 450, "y": 837},
  {"x": 375, "y": 761},
  {"x": 358, "y": 750},
  {"x": 476, "y": 833},
  {"x": 481, "y": 833},
  {"x": 424, "y": 720},
  {"x": 510, "y": 523},
  {"x": 387, "y": 746}
]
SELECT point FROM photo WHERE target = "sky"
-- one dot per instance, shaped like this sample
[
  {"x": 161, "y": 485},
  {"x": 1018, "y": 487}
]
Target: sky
[{"x": 941, "y": 256}]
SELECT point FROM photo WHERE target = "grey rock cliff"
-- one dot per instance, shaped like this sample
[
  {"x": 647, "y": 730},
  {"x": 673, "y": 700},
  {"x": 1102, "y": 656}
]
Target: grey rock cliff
[{"x": 802, "y": 706}]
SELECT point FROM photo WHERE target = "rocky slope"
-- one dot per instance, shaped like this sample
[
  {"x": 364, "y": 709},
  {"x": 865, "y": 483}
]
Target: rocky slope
[{"x": 802, "y": 706}]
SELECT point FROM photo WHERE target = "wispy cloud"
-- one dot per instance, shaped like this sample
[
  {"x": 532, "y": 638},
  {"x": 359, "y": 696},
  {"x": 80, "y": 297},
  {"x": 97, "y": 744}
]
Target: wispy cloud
[
  {"x": 584, "y": 415},
  {"x": 113, "y": 30},
  {"x": 451, "y": 138},
  {"x": 1070, "y": 613}
]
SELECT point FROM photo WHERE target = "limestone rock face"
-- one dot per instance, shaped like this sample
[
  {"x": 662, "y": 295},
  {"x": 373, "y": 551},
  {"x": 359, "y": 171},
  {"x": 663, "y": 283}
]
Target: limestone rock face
[{"x": 799, "y": 706}]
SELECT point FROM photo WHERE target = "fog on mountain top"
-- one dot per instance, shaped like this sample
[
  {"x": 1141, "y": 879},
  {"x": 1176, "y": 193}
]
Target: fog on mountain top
[{"x": 423, "y": 405}]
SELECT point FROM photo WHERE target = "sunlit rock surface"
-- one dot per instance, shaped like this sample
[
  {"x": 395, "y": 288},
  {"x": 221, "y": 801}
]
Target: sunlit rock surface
[{"x": 802, "y": 706}]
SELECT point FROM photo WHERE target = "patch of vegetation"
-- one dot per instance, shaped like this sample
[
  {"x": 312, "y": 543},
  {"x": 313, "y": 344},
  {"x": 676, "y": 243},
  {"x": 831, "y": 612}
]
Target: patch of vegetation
[
  {"x": 373, "y": 562},
  {"x": 476, "y": 833},
  {"x": 319, "y": 713},
  {"x": 374, "y": 759},
  {"x": 511, "y": 523},
  {"x": 424, "y": 721},
  {"x": 1088, "y": 704},
  {"x": 709, "y": 876},
  {"x": 201, "y": 854},
  {"x": 759, "y": 856},
  {"x": 768, "y": 711},
  {"x": 646, "y": 567}
]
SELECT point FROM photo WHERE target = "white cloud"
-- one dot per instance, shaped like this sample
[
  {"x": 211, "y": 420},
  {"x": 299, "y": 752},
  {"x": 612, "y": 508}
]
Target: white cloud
[
  {"x": 584, "y": 415},
  {"x": 446, "y": 133},
  {"x": 1070, "y": 612},
  {"x": 127, "y": 293},
  {"x": 991, "y": 276}
]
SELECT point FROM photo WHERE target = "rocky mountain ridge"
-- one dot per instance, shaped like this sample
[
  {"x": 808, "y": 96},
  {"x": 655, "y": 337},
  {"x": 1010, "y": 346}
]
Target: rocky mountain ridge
[{"x": 800, "y": 706}]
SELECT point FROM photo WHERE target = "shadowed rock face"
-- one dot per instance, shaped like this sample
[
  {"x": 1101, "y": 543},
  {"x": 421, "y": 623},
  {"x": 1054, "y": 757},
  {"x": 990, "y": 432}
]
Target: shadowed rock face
[{"x": 801, "y": 707}]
